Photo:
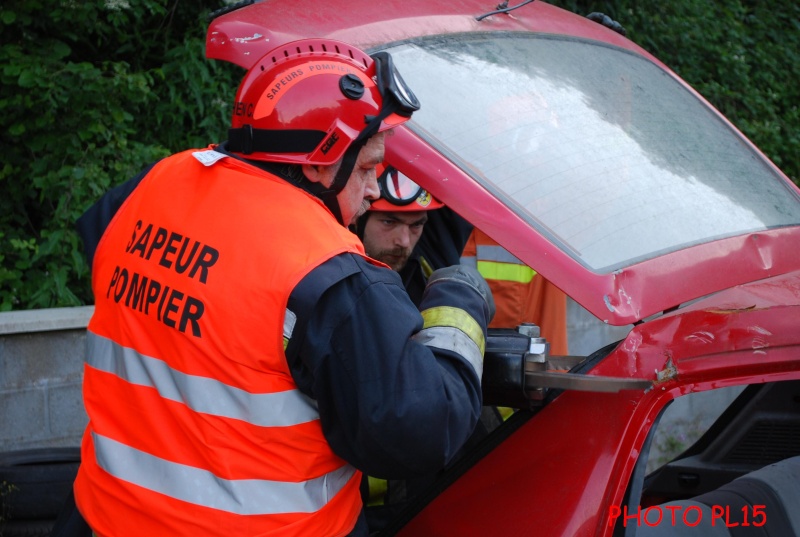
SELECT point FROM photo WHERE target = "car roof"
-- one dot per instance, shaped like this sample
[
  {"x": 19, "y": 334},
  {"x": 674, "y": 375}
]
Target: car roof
[
  {"x": 620, "y": 296},
  {"x": 243, "y": 36}
]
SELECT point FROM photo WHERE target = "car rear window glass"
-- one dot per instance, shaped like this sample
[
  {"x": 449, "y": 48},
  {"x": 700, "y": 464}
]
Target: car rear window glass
[{"x": 598, "y": 148}]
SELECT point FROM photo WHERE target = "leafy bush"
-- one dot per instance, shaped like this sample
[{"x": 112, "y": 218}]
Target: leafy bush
[{"x": 91, "y": 92}]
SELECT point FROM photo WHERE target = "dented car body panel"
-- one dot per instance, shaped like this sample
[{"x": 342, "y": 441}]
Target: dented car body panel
[{"x": 572, "y": 462}]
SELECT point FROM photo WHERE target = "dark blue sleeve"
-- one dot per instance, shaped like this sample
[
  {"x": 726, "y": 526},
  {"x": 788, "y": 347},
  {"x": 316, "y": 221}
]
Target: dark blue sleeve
[
  {"x": 389, "y": 405},
  {"x": 93, "y": 223}
]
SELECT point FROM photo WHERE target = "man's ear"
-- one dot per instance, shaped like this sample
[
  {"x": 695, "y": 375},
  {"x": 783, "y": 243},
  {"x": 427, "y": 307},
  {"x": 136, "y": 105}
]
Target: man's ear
[{"x": 314, "y": 172}]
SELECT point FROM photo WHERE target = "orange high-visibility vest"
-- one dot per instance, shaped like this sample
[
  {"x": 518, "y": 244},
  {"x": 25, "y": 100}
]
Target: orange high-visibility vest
[
  {"x": 520, "y": 294},
  {"x": 196, "y": 426}
]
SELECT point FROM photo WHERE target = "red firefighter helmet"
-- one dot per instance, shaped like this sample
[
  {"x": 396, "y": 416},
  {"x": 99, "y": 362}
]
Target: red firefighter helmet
[
  {"x": 307, "y": 101},
  {"x": 401, "y": 194}
]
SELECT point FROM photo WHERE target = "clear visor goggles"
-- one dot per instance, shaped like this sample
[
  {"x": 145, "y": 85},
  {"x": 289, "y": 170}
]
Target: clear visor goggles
[
  {"x": 397, "y": 188},
  {"x": 392, "y": 86}
]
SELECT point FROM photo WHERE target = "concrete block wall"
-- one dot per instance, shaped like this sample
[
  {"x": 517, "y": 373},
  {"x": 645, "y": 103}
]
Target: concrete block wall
[{"x": 41, "y": 371}]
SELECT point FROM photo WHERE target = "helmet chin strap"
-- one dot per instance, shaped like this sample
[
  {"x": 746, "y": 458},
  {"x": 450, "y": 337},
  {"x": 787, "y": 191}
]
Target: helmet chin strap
[
  {"x": 341, "y": 178},
  {"x": 349, "y": 160}
]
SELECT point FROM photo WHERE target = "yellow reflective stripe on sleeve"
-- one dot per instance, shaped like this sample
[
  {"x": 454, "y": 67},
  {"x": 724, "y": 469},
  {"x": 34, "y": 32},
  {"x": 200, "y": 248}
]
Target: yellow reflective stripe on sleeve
[
  {"x": 426, "y": 267},
  {"x": 506, "y": 412},
  {"x": 453, "y": 339},
  {"x": 377, "y": 491},
  {"x": 448, "y": 316},
  {"x": 506, "y": 271}
]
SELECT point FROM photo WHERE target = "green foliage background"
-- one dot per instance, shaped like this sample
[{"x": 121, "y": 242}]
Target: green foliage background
[
  {"x": 93, "y": 90},
  {"x": 90, "y": 92}
]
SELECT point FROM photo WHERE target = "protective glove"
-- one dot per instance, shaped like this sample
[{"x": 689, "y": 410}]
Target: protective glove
[{"x": 469, "y": 276}]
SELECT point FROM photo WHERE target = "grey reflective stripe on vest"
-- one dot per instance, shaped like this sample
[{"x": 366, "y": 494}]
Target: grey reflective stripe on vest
[
  {"x": 470, "y": 261},
  {"x": 496, "y": 253},
  {"x": 288, "y": 327},
  {"x": 453, "y": 339},
  {"x": 288, "y": 323},
  {"x": 201, "y": 394},
  {"x": 203, "y": 488}
]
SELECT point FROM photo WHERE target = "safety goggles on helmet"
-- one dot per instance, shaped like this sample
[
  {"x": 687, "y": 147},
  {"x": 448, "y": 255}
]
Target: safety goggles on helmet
[
  {"x": 397, "y": 188},
  {"x": 397, "y": 101},
  {"x": 399, "y": 193},
  {"x": 391, "y": 85}
]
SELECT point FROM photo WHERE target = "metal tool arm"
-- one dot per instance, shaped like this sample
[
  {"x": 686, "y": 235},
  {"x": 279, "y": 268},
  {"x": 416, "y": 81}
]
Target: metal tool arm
[{"x": 518, "y": 370}]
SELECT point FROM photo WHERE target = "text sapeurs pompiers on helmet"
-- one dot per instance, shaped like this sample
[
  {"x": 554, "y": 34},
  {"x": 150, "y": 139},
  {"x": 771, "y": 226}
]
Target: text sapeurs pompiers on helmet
[{"x": 316, "y": 101}]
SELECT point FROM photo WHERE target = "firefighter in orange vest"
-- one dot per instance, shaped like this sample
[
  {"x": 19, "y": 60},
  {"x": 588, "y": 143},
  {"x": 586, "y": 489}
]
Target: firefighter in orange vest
[
  {"x": 520, "y": 294},
  {"x": 246, "y": 360}
]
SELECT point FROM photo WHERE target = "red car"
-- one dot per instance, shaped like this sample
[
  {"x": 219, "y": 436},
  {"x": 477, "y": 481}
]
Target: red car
[{"x": 595, "y": 164}]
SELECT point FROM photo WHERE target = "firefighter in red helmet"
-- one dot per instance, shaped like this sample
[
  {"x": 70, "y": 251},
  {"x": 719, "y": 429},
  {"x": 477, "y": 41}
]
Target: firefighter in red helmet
[
  {"x": 246, "y": 360},
  {"x": 392, "y": 231},
  {"x": 394, "y": 223}
]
